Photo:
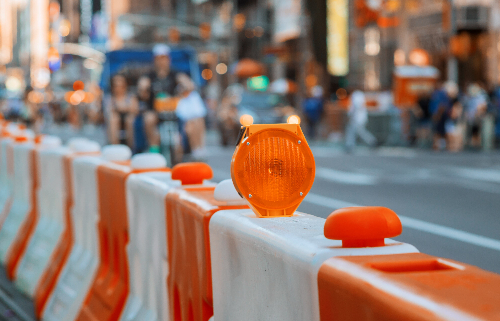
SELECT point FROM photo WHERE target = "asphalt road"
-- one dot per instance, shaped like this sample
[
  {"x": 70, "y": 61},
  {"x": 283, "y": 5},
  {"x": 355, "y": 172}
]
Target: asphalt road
[{"x": 449, "y": 204}]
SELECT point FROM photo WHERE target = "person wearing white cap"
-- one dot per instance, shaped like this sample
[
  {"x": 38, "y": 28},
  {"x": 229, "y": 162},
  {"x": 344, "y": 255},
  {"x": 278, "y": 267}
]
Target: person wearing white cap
[{"x": 164, "y": 82}]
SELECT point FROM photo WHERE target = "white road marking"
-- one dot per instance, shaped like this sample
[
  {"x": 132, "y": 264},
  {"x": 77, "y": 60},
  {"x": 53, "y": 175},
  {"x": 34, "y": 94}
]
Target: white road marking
[
  {"x": 486, "y": 175},
  {"x": 415, "y": 224},
  {"x": 345, "y": 177}
]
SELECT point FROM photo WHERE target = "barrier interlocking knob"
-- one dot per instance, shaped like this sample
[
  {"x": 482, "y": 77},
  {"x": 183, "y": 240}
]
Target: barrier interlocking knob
[
  {"x": 362, "y": 226},
  {"x": 192, "y": 173}
]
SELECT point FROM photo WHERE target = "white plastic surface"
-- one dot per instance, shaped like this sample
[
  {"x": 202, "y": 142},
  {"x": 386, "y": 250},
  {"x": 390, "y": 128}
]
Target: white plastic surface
[
  {"x": 266, "y": 268},
  {"x": 86, "y": 146},
  {"x": 77, "y": 276},
  {"x": 116, "y": 153},
  {"x": 21, "y": 197},
  {"x": 5, "y": 179},
  {"x": 225, "y": 192},
  {"x": 48, "y": 141},
  {"x": 50, "y": 225},
  {"x": 147, "y": 249},
  {"x": 28, "y": 133},
  {"x": 75, "y": 141},
  {"x": 148, "y": 161}
]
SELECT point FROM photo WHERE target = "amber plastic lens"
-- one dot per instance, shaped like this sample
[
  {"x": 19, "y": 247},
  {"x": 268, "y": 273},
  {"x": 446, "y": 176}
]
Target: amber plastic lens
[
  {"x": 293, "y": 119},
  {"x": 246, "y": 120},
  {"x": 274, "y": 169}
]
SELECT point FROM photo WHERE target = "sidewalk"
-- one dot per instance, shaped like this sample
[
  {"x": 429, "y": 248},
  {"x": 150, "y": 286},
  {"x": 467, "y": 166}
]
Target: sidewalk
[{"x": 14, "y": 306}]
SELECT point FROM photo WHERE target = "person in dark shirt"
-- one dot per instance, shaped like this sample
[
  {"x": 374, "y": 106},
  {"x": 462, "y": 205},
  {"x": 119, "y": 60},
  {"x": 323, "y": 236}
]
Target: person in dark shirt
[{"x": 164, "y": 82}]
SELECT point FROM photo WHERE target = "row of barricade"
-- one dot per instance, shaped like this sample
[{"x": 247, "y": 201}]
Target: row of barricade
[{"x": 91, "y": 235}]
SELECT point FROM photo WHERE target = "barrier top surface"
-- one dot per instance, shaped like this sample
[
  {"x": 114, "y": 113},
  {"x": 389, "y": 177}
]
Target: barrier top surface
[
  {"x": 406, "y": 287},
  {"x": 268, "y": 253}
]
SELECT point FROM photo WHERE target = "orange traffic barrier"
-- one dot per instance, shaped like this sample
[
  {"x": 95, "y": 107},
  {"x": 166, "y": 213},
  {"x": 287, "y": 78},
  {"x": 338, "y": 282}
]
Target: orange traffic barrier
[
  {"x": 189, "y": 211},
  {"x": 63, "y": 248},
  {"x": 410, "y": 286},
  {"x": 108, "y": 293},
  {"x": 5, "y": 176},
  {"x": 26, "y": 230},
  {"x": 18, "y": 246},
  {"x": 20, "y": 211},
  {"x": 413, "y": 287}
]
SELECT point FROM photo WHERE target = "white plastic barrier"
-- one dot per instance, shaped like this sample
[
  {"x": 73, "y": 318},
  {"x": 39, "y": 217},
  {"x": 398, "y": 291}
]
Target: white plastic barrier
[
  {"x": 77, "y": 275},
  {"x": 5, "y": 180},
  {"x": 266, "y": 268},
  {"x": 51, "y": 206},
  {"x": 52, "y": 194},
  {"x": 147, "y": 249},
  {"x": 21, "y": 195}
]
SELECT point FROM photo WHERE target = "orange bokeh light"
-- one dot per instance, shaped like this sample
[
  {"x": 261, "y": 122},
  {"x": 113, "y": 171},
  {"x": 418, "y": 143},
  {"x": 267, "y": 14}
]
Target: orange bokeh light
[
  {"x": 246, "y": 120},
  {"x": 207, "y": 74},
  {"x": 78, "y": 85}
]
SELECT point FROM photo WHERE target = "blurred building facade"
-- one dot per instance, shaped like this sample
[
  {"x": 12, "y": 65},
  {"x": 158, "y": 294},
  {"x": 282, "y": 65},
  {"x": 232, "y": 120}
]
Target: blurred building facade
[{"x": 459, "y": 37}]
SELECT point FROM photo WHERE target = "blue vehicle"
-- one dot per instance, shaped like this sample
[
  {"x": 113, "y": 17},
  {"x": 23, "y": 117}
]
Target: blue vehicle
[{"x": 134, "y": 63}]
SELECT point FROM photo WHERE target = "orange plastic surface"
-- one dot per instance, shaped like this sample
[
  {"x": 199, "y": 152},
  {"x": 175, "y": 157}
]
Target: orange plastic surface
[
  {"x": 143, "y": 170},
  {"x": 108, "y": 293},
  {"x": 410, "y": 287},
  {"x": 362, "y": 226},
  {"x": 192, "y": 173},
  {"x": 27, "y": 228},
  {"x": 64, "y": 245},
  {"x": 273, "y": 168},
  {"x": 190, "y": 280},
  {"x": 21, "y": 139}
]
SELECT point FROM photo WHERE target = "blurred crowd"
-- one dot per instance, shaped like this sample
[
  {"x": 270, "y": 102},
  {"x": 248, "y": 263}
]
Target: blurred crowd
[
  {"x": 163, "y": 109},
  {"x": 132, "y": 112},
  {"x": 454, "y": 119}
]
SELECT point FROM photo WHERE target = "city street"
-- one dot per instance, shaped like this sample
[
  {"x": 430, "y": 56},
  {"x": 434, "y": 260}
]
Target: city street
[{"x": 448, "y": 203}]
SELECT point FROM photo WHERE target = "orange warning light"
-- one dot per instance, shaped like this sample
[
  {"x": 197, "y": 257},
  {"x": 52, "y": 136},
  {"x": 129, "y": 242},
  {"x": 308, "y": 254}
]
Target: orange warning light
[{"x": 273, "y": 168}]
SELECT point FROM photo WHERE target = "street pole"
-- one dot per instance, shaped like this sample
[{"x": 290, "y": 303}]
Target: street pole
[
  {"x": 303, "y": 55},
  {"x": 233, "y": 56}
]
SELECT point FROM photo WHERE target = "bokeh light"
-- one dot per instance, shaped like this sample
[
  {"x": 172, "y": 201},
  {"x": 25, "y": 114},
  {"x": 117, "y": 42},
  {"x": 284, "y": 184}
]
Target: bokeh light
[
  {"x": 221, "y": 68},
  {"x": 246, "y": 120},
  {"x": 293, "y": 119}
]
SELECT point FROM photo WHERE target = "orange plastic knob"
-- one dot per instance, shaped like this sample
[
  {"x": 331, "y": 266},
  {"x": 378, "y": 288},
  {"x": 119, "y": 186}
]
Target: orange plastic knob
[
  {"x": 21, "y": 139},
  {"x": 362, "y": 226},
  {"x": 192, "y": 173},
  {"x": 38, "y": 139}
]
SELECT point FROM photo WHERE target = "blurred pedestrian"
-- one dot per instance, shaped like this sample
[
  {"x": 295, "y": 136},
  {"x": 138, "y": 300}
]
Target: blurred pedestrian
[
  {"x": 313, "y": 109},
  {"x": 442, "y": 100},
  {"x": 143, "y": 93},
  {"x": 423, "y": 116},
  {"x": 455, "y": 127},
  {"x": 358, "y": 118},
  {"x": 120, "y": 110},
  {"x": 475, "y": 109},
  {"x": 164, "y": 82},
  {"x": 191, "y": 112}
]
